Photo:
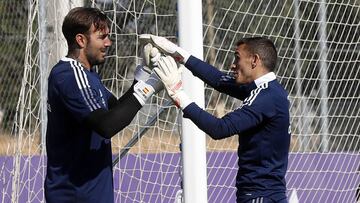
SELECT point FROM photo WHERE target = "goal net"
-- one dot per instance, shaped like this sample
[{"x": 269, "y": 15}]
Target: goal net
[{"x": 319, "y": 58}]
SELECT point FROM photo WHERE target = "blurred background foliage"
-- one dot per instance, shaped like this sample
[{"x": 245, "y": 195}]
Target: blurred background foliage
[{"x": 223, "y": 23}]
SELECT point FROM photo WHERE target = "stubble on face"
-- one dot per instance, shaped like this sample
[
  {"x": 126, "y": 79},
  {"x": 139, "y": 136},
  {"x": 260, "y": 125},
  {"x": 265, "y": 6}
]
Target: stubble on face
[{"x": 96, "y": 50}]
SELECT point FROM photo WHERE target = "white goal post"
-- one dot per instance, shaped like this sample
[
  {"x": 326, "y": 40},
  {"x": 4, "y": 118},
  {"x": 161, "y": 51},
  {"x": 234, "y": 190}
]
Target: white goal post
[
  {"x": 319, "y": 57},
  {"x": 193, "y": 139}
]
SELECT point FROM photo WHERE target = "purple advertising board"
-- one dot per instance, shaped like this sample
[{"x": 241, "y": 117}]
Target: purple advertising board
[{"x": 315, "y": 177}]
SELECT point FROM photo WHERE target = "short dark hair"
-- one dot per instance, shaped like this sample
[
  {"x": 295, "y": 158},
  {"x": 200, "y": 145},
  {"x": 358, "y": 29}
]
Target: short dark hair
[
  {"x": 79, "y": 21},
  {"x": 262, "y": 46}
]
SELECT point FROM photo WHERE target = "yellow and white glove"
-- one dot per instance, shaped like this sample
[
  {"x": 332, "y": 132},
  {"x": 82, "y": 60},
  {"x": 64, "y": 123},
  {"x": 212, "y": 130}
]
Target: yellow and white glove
[
  {"x": 148, "y": 82},
  {"x": 170, "y": 75},
  {"x": 167, "y": 47}
]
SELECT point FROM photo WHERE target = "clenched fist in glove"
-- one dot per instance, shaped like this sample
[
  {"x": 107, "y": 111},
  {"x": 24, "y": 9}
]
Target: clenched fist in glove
[
  {"x": 167, "y": 47},
  {"x": 170, "y": 75},
  {"x": 148, "y": 82}
]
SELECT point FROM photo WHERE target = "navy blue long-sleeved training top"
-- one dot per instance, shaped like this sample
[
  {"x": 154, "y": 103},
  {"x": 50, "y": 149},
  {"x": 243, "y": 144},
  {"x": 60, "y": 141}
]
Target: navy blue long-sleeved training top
[
  {"x": 82, "y": 116},
  {"x": 262, "y": 123},
  {"x": 79, "y": 159}
]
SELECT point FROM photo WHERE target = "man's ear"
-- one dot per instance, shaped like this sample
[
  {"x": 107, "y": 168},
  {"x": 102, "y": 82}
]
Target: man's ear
[
  {"x": 255, "y": 60},
  {"x": 81, "y": 40}
]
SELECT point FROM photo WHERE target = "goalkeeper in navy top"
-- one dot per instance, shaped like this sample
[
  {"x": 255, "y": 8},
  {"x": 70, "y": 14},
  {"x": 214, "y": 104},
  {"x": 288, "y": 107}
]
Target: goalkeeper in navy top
[
  {"x": 83, "y": 115},
  {"x": 262, "y": 121}
]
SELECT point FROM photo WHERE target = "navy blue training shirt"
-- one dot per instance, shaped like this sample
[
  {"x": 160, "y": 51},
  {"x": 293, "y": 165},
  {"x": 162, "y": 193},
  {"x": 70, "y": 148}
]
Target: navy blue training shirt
[
  {"x": 79, "y": 160},
  {"x": 262, "y": 123}
]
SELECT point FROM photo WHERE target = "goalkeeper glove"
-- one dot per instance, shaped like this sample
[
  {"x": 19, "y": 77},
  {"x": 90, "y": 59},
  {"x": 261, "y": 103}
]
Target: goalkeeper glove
[
  {"x": 170, "y": 75},
  {"x": 167, "y": 47},
  {"x": 148, "y": 82},
  {"x": 151, "y": 55}
]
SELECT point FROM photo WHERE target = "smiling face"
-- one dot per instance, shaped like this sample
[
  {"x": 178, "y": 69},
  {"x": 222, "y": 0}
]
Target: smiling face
[
  {"x": 243, "y": 65},
  {"x": 86, "y": 32},
  {"x": 97, "y": 43}
]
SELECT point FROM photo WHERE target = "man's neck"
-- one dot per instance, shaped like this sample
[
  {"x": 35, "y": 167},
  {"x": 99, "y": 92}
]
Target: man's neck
[{"x": 78, "y": 57}]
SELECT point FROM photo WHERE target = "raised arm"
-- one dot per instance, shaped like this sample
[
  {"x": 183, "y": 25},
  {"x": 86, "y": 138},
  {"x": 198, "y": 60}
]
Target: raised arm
[
  {"x": 108, "y": 122},
  {"x": 210, "y": 75},
  {"x": 220, "y": 81},
  {"x": 242, "y": 119},
  {"x": 120, "y": 112}
]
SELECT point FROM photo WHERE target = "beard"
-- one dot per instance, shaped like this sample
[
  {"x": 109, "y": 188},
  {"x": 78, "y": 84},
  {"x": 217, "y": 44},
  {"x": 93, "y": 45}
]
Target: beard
[
  {"x": 95, "y": 55},
  {"x": 95, "y": 59}
]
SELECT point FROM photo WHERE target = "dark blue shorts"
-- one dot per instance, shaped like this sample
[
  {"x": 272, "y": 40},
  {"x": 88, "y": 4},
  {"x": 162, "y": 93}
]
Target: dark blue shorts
[{"x": 265, "y": 200}]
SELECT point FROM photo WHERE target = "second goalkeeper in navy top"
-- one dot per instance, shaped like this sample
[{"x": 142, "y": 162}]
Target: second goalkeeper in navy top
[{"x": 262, "y": 121}]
